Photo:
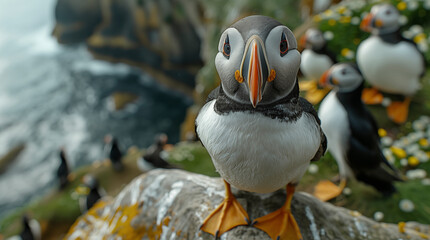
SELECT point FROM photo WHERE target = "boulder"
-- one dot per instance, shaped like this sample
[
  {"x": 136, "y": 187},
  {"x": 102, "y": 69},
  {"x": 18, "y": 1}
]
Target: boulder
[{"x": 172, "y": 204}]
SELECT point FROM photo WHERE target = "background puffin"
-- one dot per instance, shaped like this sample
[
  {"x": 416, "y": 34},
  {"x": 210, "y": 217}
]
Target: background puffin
[
  {"x": 90, "y": 193},
  {"x": 352, "y": 132},
  {"x": 63, "y": 170},
  {"x": 114, "y": 152},
  {"x": 154, "y": 156},
  {"x": 388, "y": 61},
  {"x": 316, "y": 59},
  {"x": 260, "y": 134},
  {"x": 30, "y": 230}
]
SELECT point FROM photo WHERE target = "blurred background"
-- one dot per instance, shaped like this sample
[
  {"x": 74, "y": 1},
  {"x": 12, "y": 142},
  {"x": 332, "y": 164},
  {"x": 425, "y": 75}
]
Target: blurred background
[{"x": 73, "y": 71}]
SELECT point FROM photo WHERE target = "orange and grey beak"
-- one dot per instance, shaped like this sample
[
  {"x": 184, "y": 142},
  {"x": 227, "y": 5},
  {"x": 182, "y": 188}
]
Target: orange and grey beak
[
  {"x": 370, "y": 22},
  {"x": 302, "y": 41},
  {"x": 255, "y": 69},
  {"x": 327, "y": 79}
]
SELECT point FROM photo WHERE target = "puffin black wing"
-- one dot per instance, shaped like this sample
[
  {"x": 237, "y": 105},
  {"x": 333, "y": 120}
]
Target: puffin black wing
[{"x": 308, "y": 108}]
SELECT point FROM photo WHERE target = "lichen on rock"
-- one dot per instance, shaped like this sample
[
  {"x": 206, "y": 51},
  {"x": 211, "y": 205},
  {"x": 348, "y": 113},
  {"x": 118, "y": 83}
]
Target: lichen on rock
[{"x": 172, "y": 204}]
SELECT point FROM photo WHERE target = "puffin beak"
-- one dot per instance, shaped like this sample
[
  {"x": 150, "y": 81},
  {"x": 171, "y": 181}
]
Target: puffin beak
[
  {"x": 255, "y": 69},
  {"x": 367, "y": 22},
  {"x": 302, "y": 41},
  {"x": 326, "y": 79}
]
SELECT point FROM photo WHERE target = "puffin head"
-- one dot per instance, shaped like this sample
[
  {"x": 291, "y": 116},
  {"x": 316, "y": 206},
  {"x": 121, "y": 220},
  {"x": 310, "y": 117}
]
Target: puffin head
[
  {"x": 257, "y": 60},
  {"x": 313, "y": 39},
  {"x": 383, "y": 18},
  {"x": 345, "y": 77}
]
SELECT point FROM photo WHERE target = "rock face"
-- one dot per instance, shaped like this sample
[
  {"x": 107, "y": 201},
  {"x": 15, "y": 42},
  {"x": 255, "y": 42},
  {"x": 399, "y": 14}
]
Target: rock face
[{"x": 172, "y": 204}]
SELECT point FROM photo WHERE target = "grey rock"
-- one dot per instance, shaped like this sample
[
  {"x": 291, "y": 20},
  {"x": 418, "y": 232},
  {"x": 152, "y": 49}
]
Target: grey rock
[{"x": 172, "y": 204}]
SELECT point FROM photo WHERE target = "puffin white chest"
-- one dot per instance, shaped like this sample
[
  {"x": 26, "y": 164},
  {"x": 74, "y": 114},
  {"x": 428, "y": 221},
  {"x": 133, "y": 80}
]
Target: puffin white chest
[
  {"x": 256, "y": 153},
  {"x": 313, "y": 65},
  {"x": 393, "y": 68},
  {"x": 335, "y": 125}
]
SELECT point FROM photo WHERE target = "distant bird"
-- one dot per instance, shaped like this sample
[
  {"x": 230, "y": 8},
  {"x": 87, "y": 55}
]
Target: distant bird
[
  {"x": 388, "y": 61},
  {"x": 114, "y": 152},
  {"x": 63, "y": 170},
  {"x": 316, "y": 59},
  {"x": 91, "y": 192},
  {"x": 260, "y": 134},
  {"x": 352, "y": 132},
  {"x": 30, "y": 230},
  {"x": 154, "y": 157}
]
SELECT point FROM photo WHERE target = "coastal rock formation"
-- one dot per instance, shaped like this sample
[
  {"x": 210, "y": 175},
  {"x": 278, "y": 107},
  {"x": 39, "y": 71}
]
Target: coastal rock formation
[{"x": 171, "y": 204}]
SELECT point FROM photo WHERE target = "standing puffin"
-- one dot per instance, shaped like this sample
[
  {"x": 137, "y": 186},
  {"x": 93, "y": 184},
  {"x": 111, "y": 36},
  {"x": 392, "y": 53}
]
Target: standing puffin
[
  {"x": 31, "y": 229},
  {"x": 316, "y": 59},
  {"x": 63, "y": 170},
  {"x": 90, "y": 193},
  {"x": 114, "y": 152},
  {"x": 260, "y": 134},
  {"x": 154, "y": 156},
  {"x": 352, "y": 133},
  {"x": 388, "y": 61}
]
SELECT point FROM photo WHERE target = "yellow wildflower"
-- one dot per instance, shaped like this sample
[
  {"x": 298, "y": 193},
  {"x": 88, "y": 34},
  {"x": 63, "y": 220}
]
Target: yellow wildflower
[
  {"x": 423, "y": 142},
  {"x": 331, "y": 22},
  {"x": 356, "y": 41},
  {"x": 400, "y": 153},
  {"x": 419, "y": 38},
  {"x": 382, "y": 132},
  {"x": 345, "y": 19},
  {"x": 341, "y": 9},
  {"x": 317, "y": 18},
  {"x": 328, "y": 12},
  {"x": 402, "y": 6},
  {"x": 413, "y": 161}
]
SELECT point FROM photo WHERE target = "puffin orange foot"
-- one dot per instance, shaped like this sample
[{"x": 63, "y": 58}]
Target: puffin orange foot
[
  {"x": 280, "y": 224},
  {"x": 371, "y": 96},
  {"x": 326, "y": 190},
  {"x": 398, "y": 111},
  {"x": 227, "y": 215}
]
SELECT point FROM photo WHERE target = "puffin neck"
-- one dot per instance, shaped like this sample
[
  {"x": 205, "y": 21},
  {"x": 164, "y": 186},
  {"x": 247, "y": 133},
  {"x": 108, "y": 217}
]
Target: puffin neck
[
  {"x": 353, "y": 97},
  {"x": 391, "y": 37}
]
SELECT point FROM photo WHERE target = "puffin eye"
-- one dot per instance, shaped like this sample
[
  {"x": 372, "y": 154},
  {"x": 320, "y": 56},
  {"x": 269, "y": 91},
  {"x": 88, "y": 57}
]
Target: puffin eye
[
  {"x": 388, "y": 12},
  {"x": 343, "y": 72},
  {"x": 226, "y": 48},
  {"x": 283, "y": 46}
]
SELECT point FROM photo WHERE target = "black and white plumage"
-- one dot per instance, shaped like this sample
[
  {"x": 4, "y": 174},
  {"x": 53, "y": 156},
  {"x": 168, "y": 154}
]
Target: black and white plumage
[
  {"x": 255, "y": 142},
  {"x": 260, "y": 134},
  {"x": 316, "y": 57},
  {"x": 30, "y": 230},
  {"x": 93, "y": 194},
  {"x": 388, "y": 61},
  {"x": 114, "y": 152},
  {"x": 154, "y": 156},
  {"x": 63, "y": 170},
  {"x": 352, "y": 132}
]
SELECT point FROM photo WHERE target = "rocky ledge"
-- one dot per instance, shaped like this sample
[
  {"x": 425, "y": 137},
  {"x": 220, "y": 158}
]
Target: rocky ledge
[{"x": 172, "y": 204}]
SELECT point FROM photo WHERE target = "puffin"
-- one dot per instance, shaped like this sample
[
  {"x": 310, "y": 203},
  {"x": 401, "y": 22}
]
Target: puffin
[
  {"x": 90, "y": 193},
  {"x": 113, "y": 150},
  {"x": 261, "y": 135},
  {"x": 63, "y": 170},
  {"x": 31, "y": 229},
  {"x": 153, "y": 157},
  {"x": 352, "y": 134},
  {"x": 388, "y": 61},
  {"x": 316, "y": 59}
]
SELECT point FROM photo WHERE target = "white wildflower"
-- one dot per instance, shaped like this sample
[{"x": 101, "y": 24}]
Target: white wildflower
[
  {"x": 386, "y": 141},
  {"x": 416, "y": 29},
  {"x": 313, "y": 168},
  {"x": 347, "y": 191},
  {"x": 412, "y": 5},
  {"x": 422, "y": 156},
  {"x": 416, "y": 174},
  {"x": 427, "y": 4},
  {"x": 355, "y": 20},
  {"x": 425, "y": 119},
  {"x": 418, "y": 125},
  {"x": 406, "y": 205},
  {"x": 328, "y": 35},
  {"x": 386, "y": 102},
  {"x": 378, "y": 216},
  {"x": 425, "y": 182},
  {"x": 403, "y": 20},
  {"x": 412, "y": 149},
  {"x": 423, "y": 47},
  {"x": 404, "y": 162}
]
